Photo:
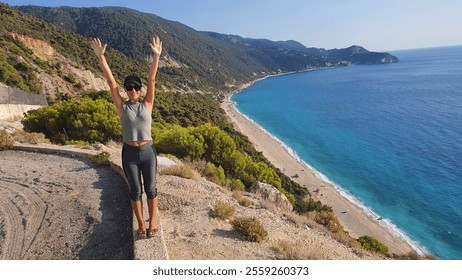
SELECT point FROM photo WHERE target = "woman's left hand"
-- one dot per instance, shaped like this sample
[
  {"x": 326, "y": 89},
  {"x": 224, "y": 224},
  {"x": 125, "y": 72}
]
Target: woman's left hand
[{"x": 156, "y": 45}]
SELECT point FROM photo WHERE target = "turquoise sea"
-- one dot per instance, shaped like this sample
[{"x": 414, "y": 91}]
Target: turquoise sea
[{"x": 389, "y": 136}]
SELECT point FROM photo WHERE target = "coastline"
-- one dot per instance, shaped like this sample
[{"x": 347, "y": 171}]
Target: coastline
[{"x": 354, "y": 219}]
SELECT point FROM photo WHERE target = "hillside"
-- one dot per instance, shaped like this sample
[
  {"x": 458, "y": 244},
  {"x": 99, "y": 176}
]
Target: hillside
[
  {"x": 198, "y": 61},
  {"x": 44, "y": 59},
  {"x": 190, "y": 61},
  {"x": 293, "y": 56}
]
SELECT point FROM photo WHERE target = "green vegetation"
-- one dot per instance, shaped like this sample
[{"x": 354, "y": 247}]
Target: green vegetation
[
  {"x": 6, "y": 142},
  {"x": 372, "y": 244},
  {"x": 15, "y": 67},
  {"x": 201, "y": 62},
  {"x": 85, "y": 119},
  {"x": 236, "y": 185},
  {"x": 21, "y": 70},
  {"x": 189, "y": 110},
  {"x": 102, "y": 159},
  {"x": 250, "y": 228},
  {"x": 302, "y": 206},
  {"x": 212, "y": 144}
]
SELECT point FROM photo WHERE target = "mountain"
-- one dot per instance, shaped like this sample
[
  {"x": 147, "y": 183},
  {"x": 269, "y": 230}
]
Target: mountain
[
  {"x": 359, "y": 55},
  {"x": 193, "y": 60},
  {"x": 292, "y": 55},
  {"x": 190, "y": 61},
  {"x": 275, "y": 56}
]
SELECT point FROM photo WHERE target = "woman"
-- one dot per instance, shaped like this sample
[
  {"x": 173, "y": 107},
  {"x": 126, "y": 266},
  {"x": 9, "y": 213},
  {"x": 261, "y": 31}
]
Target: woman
[{"x": 138, "y": 153}]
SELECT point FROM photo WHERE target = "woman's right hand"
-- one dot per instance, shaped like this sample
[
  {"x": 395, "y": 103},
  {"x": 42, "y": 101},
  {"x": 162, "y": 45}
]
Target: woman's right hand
[{"x": 98, "y": 48}]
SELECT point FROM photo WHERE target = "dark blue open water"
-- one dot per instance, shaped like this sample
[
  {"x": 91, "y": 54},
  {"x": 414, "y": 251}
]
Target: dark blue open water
[{"x": 389, "y": 135}]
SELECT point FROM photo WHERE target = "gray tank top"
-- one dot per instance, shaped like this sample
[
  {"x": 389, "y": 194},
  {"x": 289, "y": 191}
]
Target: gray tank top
[{"x": 136, "y": 122}]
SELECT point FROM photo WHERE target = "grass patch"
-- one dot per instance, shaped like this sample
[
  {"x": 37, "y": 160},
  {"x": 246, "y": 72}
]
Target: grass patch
[
  {"x": 244, "y": 201},
  {"x": 29, "y": 137},
  {"x": 290, "y": 251},
  {"x": 179, "y": 170}
]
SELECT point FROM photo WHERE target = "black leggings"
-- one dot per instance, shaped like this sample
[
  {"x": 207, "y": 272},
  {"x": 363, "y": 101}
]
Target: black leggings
[{"x": 137, "y": 162}]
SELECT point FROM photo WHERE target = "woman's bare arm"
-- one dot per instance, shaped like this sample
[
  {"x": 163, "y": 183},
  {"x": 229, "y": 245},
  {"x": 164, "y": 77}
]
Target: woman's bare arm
[
  {"x": 156, "y": 47},
  {"x": 99, "y": 50}
]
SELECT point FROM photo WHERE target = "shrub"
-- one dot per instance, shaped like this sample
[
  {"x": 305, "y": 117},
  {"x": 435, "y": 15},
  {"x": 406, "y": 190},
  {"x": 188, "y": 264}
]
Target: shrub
[
  {"x": 327, "y": 219},
  {"x": 101, "y": 94},
  {"x": 217, "y": 174},
  {"x": 179, "y": 141},
  {"x": 242, "y": 200},
  {"x": 302, "y": 206},
  {"x": 218, "y": 145},
  {"x": 290, "y": 251},
  {"x": 223, "y": 210},
  {"x": 101, "y": 159},
  {"x": 245, "y": 202},
  {"x": 179, "y": 170},
  {"x": 298, "y": 220},
  {"x": 236, "y": 184},
  {"x": 250, "y": 228},
  {"x": 6, "y": 142},
  {"x": 83, "y": 119},
  {"x": 345, "y": 238},
  {"x": 372, "y": 244}
]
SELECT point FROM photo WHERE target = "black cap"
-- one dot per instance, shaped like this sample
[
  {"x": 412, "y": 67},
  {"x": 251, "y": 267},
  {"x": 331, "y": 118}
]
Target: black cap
[{"x": 132, "y": 79}]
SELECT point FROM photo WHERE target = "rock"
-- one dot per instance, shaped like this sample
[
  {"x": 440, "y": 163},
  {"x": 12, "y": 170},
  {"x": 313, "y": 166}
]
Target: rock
[
  {"x": 271, "y": 194},
  {"x": 163, "y": 161}
]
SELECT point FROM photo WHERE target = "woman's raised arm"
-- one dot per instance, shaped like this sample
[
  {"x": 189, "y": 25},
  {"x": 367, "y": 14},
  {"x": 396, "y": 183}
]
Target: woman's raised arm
[
  {"x": 99, "y": 50},
  {"x": 156, "y": 47}
]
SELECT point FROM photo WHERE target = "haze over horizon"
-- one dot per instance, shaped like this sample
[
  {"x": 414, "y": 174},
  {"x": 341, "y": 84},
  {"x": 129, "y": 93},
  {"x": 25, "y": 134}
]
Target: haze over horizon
[{"x": 375, "y": 25}]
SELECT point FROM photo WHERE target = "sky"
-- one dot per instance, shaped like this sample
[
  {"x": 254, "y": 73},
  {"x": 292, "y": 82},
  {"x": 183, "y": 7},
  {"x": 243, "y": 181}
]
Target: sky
[{"x": 377, "y": 25}]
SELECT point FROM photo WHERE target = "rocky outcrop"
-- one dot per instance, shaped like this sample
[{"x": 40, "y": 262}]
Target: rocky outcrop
[
  {"x": 63, "y": 75},
  {"x": 270, "y": 193}
]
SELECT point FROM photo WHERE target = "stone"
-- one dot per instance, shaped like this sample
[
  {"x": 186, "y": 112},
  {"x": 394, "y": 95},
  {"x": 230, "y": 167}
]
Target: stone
[{"x": 270, "y": 193}]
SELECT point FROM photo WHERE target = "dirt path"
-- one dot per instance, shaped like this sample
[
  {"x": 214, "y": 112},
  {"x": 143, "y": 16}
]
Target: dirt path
[{"x": 61, "y": 207}]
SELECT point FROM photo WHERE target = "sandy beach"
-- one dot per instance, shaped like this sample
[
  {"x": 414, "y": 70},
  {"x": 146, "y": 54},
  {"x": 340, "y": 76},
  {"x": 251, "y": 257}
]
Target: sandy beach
[{"x": 352, "y": 217}]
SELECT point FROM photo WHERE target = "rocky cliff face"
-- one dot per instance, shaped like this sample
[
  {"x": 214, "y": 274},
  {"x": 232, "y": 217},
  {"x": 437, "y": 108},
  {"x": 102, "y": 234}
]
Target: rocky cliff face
[
  {"x": 271, "y": 194},
  {"x": 64, "y": 75}
]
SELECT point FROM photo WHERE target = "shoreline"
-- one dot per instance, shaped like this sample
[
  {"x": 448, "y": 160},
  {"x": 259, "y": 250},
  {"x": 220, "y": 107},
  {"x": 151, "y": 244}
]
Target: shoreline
[{"x": 352, "y": 216}]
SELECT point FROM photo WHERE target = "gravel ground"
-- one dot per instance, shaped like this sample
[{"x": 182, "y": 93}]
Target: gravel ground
[{"x": 57, "y": 207}]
